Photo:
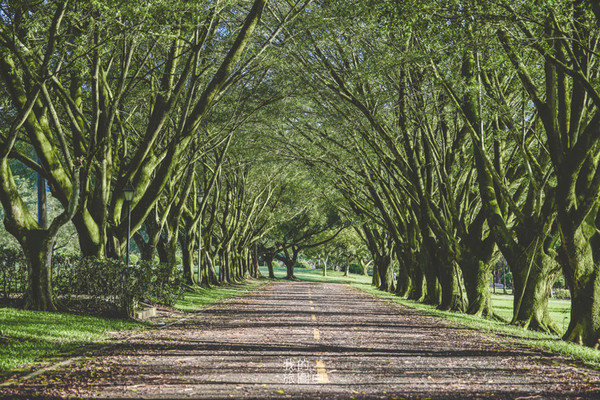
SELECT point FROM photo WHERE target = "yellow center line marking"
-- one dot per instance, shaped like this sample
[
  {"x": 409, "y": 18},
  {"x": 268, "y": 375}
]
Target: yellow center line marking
[
  {"x": 316, "y": 334},
  {"x": 313, "y": 317},
  {"x": 322, "y": 372}
]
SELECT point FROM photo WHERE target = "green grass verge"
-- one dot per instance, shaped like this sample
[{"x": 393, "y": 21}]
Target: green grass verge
[
  {"x": 27, "y": 336},
  {"x": 316, "y": 275},
  {"x": 504, "y": 331},
  {"x": 196, "y": 299}
]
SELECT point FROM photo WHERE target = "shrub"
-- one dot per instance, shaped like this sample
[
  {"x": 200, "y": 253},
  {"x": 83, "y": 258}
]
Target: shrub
[
  {"x": 154, "y": 283},
  {"x": 104, "y": 283},
  {"x": 302, "y": 264},
  {"x": 110, "y": 281},
  {"x": 133, "y": 259},
  {"x": 63, "y": 265},
  {"x": 13, "y": 271},
  {"x": 100, "y": 282},
  {"x": 275, "y": 264},
  {"x": 561, "y": 294}
]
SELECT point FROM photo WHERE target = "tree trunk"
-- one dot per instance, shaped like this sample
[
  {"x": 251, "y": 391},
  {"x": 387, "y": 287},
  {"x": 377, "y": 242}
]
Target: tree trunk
[
  {"x": 386, "y": 273},
  {"x": 37, "y": 248},
  {"x": 415, "y": 286},
  {"x": 418, "y": 287},
  {"x": 256, "y": 271},
  {"x": 432, "y": 292},
  {"x": 269, "y": 261},
  {"x": 207, "y": 271},
  {"x": 376, "y": 281},
  {"x": 290, "y": 262},
  {"x": 148, "y": 248},
  {"x": 452, "y": 299},
  {"x": 363, "y": 266},
  {"x": 477, "y": 278},
  {"x": 531, "y": 294},
  {"x": 290, "y": 270},
  {"x": 167, "y": 250},
  {"x": 187, "y": 253},
  {"x": 579, "y": 267},
  {"x": 224, "y": 272}
]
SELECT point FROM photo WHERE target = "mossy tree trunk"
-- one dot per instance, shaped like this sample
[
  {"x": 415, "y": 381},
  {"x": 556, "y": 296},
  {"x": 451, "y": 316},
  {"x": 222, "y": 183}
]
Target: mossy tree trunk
[
  {"x": 37, "y": 243},
  {"x": 476, "y": 263},
  {"x": 404, "y": 281},
  {"x": 290, "y": 259},
  {"x": 477, "y": 277},
  {"x": 384, "y": 265},
  {"x": 364, "y": 266},
  {"x": 579, "y": 256},
  {"x": 37, "y": 248},
  {"x": 532, "y": 288},
  {"x": 426, "y": 260},
  {"x": 376, "y": 280},
  {"x": 268, "y": 259},
  {"x": 187, "y": 240}
]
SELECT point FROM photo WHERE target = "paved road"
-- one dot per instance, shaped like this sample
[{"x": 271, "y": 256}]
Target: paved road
[{"x": 311, "y": 340}]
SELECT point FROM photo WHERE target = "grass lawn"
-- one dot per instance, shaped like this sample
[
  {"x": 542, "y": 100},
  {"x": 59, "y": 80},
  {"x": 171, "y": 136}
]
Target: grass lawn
[
  {"x": 27, "y": 336},
  {"x": 560, "y": 310}
]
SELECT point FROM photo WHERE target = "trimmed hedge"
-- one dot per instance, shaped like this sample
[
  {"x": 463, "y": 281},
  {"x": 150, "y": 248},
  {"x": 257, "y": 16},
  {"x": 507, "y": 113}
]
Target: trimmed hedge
[
  {"x": 13, "y": 271},
  {"x": 103, "y": 283}
]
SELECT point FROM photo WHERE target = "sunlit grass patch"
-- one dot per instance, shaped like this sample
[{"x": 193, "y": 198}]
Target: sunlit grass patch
[
  {"x": 27, "y": 336},
  {"x": 559, "y": 310}
]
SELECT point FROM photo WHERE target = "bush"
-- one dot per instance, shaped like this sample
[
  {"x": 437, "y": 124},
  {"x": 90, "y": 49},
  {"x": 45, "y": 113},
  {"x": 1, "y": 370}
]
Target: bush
[
  {"x": 109, "y": 281},
  {"x": 103, "y": 283},
  {"x": 275, "y": 264},
  {"x": 153, "y": 283},
  {"x": 561, "y": 294},
  {"x": 63, "y": 265},
  {"x": 133, "y": 259},
  {"x": 13, "y": 271},
  {"x": 302, "y": 264}
]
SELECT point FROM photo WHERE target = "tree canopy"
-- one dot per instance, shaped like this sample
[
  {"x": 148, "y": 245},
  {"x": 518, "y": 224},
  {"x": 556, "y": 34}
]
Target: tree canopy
[{"x": 431, "y": 139}]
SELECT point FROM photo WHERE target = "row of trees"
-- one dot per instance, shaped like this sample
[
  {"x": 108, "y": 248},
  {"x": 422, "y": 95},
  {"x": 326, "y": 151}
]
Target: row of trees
[
  {"x": 446, "y": 133},
  {"x": 161, "y": 96},
  {"x": 458, "y": 132}
]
